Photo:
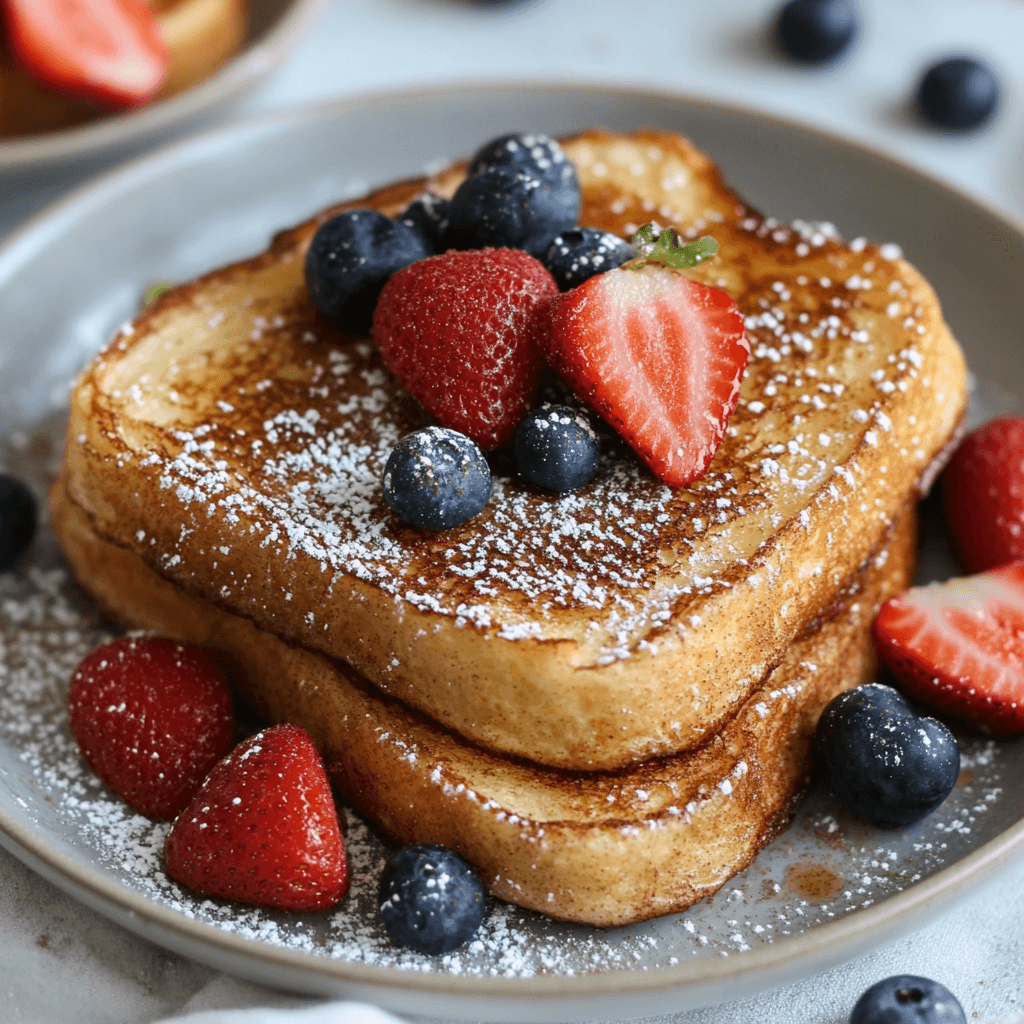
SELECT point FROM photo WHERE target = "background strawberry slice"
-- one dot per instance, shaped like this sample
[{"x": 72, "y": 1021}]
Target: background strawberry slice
[
  {"x": 263, "y": 828},
  {"x": 983, "y": 495},
  {"x": 959, "y": 646},
  {"x": 659, "y": 356},
  {"x": 109, "y": 51}
]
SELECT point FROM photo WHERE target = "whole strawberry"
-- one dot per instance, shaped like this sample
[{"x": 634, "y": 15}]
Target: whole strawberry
[
  {"x": 462, "y": 331},
  {"x": 983, "y": 495},
  {"x": 263, "y": 828},
  {"x": 151, "y": 717},
  {"x": 959, "y": 647},
  {"x": 659, "y": 356}
]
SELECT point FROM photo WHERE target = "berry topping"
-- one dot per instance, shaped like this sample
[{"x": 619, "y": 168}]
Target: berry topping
[
  {"x": 907, "y": 999},
  {"x": 883, "y": 761},
  {"x": 151, "y": 718},
  {"x": 436, "y": 479},
  {"x": 583, "y": 252},
  {"x": 556, "y": 448},
  {"x": 263, "y": 828},
  {"x": 17, "y": 520},
  {"x": 500, "y": 208},
  {"x": 462, "y": 332},
  {"x": 959, "y": 93},
  {"x": 537, "y": 156},
  {"x": 983, "y": 495},
  {"x": 431, "y": 900},
  {"x": 428, "y": 214},
  {"x": 107, "y": 51},
  {"x": 659, "y": 356},
  {"x": 959, "y": 647},
  {"x": 816, "y": 31},
  {"x": 351, "y": 257}
]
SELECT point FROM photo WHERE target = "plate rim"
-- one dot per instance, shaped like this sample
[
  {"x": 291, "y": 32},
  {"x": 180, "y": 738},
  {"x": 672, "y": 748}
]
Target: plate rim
[
  {"x": 845, "y": 937},
  {"x": 247, "y": 68}
]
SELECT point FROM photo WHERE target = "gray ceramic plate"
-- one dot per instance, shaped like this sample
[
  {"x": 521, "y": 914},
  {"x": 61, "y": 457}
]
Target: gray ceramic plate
[
  {"x": 274, "y": 27},
  {"x": 827, "y": 890}
]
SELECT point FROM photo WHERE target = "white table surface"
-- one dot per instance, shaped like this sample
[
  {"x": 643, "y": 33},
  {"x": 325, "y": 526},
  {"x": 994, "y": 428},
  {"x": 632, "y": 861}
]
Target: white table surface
[{"x": 61, "y": 963}]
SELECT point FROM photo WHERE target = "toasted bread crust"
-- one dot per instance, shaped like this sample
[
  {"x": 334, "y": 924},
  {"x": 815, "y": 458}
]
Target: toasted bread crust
[
  {"x": 235, "y": 443},
  {"x": 598, "y": 848}
]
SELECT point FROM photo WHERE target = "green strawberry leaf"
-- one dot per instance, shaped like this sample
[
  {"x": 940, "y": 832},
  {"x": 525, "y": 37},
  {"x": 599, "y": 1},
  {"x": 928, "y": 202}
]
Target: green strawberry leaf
[{"x": 653, "y": 244}]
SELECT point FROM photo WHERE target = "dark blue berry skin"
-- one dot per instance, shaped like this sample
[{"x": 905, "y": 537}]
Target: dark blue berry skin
[
  {"x": 501, "y": 208},
  {"x": 350, "y": 259},
  {"x": 428, "y": 214},
  {"x": 556, "y": 448},
  {"x": 883, "y": 761},
  {"x": 536, "y": 156},
  {"x": 958, "y": 93},
  {"x": 17, "y": 520},
  {"x": 816, "y": 31},
  {"x": 908, "y": 999},
  {"x": 436, "y": 479},
  {"x": 581, "y": 253},
  {"x": 431, "y": 900}
]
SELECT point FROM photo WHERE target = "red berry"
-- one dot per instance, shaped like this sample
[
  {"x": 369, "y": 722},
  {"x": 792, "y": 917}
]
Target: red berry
[
  {"x": 462, "y": 332},
  {"x": 106, "y": 51},
  {"x": 263, "y": 828},
  {"x": 659, "y": 356},
  {"x": 151, "y": 718},
  {"x": 983, "y": 495},
  {"x": 959, "y": 646}
]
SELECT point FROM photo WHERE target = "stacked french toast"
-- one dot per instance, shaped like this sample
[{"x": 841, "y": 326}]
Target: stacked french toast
[{"x": 603, "y": 699}]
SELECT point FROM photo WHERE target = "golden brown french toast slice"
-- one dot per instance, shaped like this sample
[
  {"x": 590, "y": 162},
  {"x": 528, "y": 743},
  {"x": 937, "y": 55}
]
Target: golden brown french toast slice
[
  {"x": 236, "y": 444},
  {"x": 599, "y": 848}
]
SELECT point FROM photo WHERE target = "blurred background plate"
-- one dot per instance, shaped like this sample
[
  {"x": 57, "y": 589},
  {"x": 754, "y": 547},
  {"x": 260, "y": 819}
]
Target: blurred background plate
[
  {"x": 273, "y": 29},
  {"x": 73, "y": 274}
]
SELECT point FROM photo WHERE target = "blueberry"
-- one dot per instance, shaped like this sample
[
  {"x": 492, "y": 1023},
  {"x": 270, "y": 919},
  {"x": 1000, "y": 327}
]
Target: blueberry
[
  {"x": 427, "y": 214},
  {"x": 505, "y": 208},
  {"x": 906, "y": 999},
  {"x": 350, "y": 259},
  {"x": 883, "y": 761},
  {"x": 816, "y": 31},
  {"x": 436, "y": 478},
  {"x": 583, "y": 252},
  {"x": 958, "y": 93},
  {"x": 17, "y": 520},
  {"x": 431, "y": 900},
  {"x": 537, "y": 156},
  {"x": 556, "y": 448}
]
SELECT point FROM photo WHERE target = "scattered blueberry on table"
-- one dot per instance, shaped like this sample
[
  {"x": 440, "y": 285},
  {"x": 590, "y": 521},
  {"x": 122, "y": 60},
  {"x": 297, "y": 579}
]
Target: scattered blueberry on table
[
  {"x": 17, "y": 520},
  {"x": 816, "y": 31},
  {"x": 431, "y": 900},
  {"x": 436, "y": 478},
  {"x": 556, "y": 448},
  {"x": 883, "y": 761},
  {"x": 908, "y": 999},
  {"x": 959, "y": 93}
]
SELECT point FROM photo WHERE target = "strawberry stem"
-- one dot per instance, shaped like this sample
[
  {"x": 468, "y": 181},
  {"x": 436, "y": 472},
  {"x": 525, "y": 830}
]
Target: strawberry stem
[{"x": 654, "y": 244}]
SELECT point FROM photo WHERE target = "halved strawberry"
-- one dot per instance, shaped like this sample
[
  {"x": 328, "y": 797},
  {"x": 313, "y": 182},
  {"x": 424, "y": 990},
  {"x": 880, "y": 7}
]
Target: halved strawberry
[
  {"x": 659, "y": 356},
  {"x": 983, "y": 495},
  {"x": 959, "y": 646},
  {"x": 109, "y": 51}
]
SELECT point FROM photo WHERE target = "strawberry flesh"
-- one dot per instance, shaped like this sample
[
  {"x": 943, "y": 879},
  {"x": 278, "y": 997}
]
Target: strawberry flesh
[
  {"x": 659, "y": 356},
  {"x": 462, "y": 332},
  {"x": 151, "y": 718},
  {"x": 263, "y": 828},
  {"x": 107, "y": 51},
  {"x": 959, "y": 647}
]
